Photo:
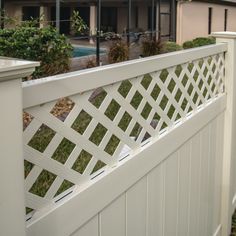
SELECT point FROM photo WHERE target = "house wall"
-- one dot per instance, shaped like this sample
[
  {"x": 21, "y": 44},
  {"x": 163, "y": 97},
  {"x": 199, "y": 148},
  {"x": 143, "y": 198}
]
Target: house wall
[
  {"x": 192, "y": 19},
  {"x": 122, "y": 19},
  {"x": 143, "y": 18},
  {"x": 13, "y": 11},
  {"x": 232, "y": 20}
]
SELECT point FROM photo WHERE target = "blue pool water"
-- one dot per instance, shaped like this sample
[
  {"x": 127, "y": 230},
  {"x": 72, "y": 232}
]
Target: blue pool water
[{"x": 85, "y": 51}]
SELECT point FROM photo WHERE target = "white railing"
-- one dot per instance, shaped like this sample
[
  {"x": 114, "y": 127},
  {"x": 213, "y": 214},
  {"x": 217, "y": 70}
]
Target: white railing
[{"x": 85, "y": 132}]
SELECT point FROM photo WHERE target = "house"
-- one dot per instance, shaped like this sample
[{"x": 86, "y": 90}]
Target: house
[
  {"x": 201, "y": 17},
  {"x": 179, "y": 20},
  {"x": 114, "y": 14}
]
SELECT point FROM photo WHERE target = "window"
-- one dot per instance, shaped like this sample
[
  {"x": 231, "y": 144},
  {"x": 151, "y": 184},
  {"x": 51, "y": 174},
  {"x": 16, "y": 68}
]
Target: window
[
  {"x": 65, "y": 14},
  {"x": 150, "y": 18},
  {"x": 29, "y": 13},
  {"x": 109, "y": 19},
  {"x": 226, "y": 20},
  {"x": 209, "y": 19}
]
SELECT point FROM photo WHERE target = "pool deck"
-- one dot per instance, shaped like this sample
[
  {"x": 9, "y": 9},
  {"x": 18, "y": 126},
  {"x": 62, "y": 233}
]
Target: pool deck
[{"x": 79, "y": 63}]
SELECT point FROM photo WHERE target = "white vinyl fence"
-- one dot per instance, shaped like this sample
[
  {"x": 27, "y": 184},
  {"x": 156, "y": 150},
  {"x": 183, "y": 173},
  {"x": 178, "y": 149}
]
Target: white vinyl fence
[{"x": 143, "y": 148}]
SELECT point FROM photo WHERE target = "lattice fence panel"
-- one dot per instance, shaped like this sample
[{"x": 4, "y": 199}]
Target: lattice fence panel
[{"x": 71, "y": 141}]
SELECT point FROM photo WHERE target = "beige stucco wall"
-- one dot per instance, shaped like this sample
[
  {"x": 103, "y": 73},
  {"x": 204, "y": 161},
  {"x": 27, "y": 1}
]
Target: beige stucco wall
[
  {"x": 14, "y": 12},
  {"x": 232, "y": 20},
  {"x": 122, "y": 19},
  {"x": 192, "y": 19},
  {"x": 142, "y": 17}
]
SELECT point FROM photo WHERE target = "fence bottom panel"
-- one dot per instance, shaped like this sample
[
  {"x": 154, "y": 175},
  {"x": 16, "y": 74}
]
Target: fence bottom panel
[{"x": 171, "y": 187}]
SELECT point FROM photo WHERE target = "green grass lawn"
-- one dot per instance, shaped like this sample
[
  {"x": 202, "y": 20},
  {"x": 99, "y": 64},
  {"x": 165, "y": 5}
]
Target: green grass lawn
[{"x": 44, "y": 135}]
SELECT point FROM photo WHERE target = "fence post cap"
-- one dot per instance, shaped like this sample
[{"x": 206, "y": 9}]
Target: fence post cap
[
  {"x": 15, "y": 68},
  {"x": 224, "y": 34}
]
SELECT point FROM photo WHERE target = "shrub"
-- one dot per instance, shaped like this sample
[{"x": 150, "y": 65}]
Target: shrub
[
  {"x": 91, "y": 62},
  {"x": 118, "y": 52},
  {"x": 46, "y": 45},
  {"x": 203, "y": 41},
  {"x": 151, "y": 47},
  {"x": 188, "y": 44},
  {"x": 170, "y": 47},
  {"x": 197, "y": 42}
]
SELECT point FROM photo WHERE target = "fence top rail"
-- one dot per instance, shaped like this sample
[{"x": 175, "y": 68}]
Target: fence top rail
[
  {"x": 11, "y": 68},
  {"x": 47, "y": 89}
]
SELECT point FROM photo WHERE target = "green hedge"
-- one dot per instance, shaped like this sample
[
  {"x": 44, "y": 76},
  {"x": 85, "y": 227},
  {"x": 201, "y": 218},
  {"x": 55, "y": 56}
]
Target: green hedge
[
  {"x": 45, "y": 45},
  {"x": 197, "y": 42},
  {"x": 170, "y": 47}
]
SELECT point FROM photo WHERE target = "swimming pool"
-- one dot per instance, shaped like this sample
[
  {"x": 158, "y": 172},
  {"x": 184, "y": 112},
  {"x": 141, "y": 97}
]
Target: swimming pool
[{"x": 86, "y": 51}]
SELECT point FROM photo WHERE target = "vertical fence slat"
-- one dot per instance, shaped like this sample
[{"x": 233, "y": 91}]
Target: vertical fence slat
[
  {"x": 211, "y": 176},
  {"x": 204, "y": 181},
  {"x": 218, "y": 172},
  {"x": 171, "y": 196},
  {"x": 155, "y": 201},
  {"x": 112, "y": 218},
  {"x": 194, "y": 186},
  {"x": 183, "y": 198},
  {"x": 136, "y": 198}
]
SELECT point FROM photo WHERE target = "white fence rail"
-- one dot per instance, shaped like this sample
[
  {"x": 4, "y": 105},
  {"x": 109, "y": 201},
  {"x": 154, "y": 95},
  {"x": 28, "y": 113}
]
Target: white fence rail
[{"x": 135, "y": 148}]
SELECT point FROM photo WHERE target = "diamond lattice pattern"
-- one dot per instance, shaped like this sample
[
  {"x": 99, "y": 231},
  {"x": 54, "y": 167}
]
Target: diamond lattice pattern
[{"x": 70, "y": 141}]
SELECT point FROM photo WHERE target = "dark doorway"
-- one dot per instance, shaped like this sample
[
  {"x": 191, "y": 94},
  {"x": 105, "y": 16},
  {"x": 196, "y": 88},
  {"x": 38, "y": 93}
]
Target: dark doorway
[
  {"x": 109, "y": 19},
  {"x": 29, "y": 13},
  {"x": 65, "y": 14}
]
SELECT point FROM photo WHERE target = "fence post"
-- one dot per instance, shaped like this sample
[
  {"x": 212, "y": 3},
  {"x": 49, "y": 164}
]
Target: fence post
[
  {"x": 12, "y": 202},
  {"x": 229, "y": 129}
]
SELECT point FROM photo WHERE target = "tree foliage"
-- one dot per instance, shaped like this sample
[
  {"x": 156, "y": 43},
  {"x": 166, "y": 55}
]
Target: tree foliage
[
  {"x": 46, "y": 45},
  {"x": 78, "y": 25}
]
